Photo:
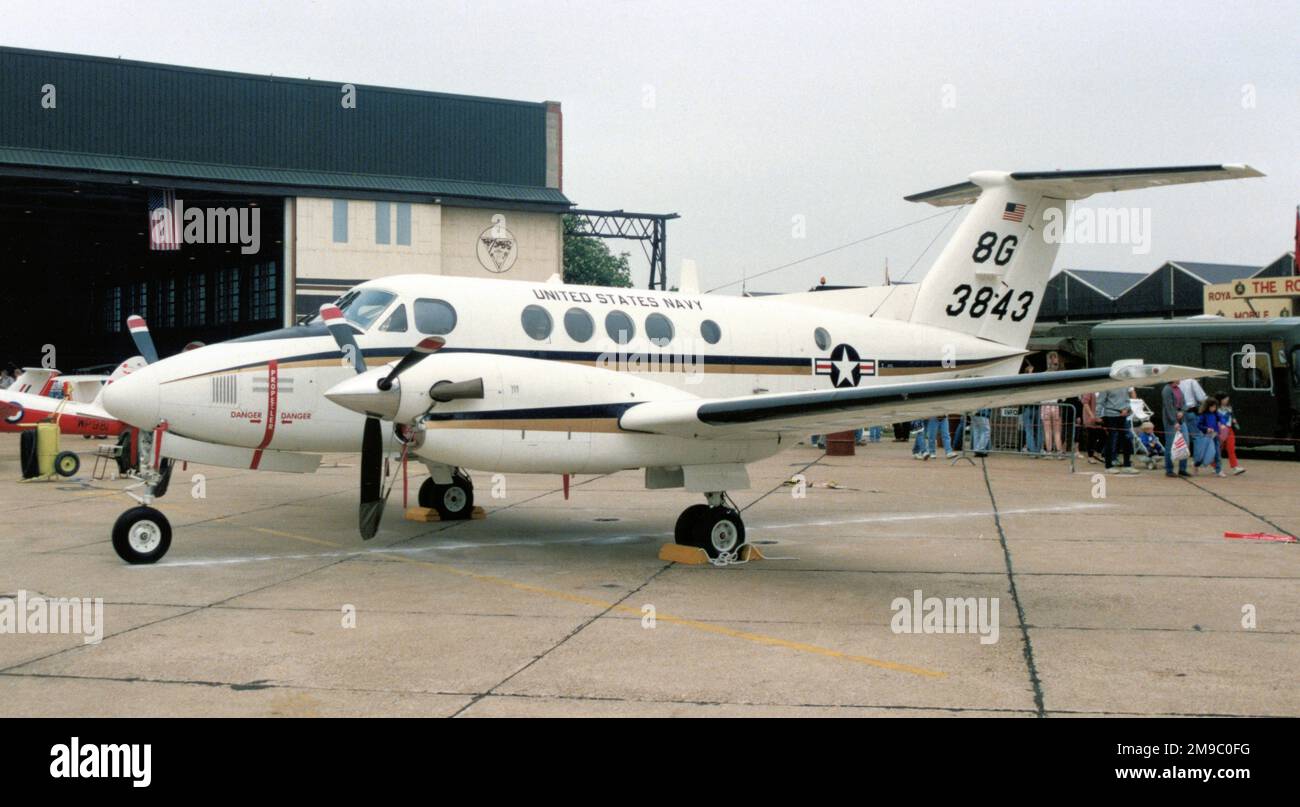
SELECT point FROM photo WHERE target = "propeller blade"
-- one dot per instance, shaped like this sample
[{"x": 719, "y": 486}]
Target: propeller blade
[
  {"x": 417, "y": 354},
  {"x": 143, "y": 341},
  {"x": 341, "y": 330},
  {"x": 372, "y": 494}
]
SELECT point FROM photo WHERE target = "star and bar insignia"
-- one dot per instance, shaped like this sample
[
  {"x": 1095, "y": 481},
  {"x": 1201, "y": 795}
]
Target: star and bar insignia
[{"x": 845, "y": 367}]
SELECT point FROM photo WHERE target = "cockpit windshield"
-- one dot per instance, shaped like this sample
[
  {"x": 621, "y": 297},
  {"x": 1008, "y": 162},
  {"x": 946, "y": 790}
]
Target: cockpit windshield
[{"x": 362, "y": 307}]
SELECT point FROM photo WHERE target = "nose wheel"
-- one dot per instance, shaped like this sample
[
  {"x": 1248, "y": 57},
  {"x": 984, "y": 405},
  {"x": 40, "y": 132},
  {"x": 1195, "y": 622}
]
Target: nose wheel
[
  {"x": 717, "y": 527},
  {"x": 454, "y": 501},
  {"x": 142, "y": 535}
]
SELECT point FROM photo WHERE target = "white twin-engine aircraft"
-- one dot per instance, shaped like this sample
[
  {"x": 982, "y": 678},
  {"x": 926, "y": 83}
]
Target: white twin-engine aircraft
[{"x": 545, "y": 377}]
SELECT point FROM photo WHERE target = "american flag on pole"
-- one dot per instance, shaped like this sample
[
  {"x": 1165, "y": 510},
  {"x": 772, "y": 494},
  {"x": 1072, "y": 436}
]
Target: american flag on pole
[
  {"x": 1014, "y": 212},
  {"x": 164, "y": 229}
]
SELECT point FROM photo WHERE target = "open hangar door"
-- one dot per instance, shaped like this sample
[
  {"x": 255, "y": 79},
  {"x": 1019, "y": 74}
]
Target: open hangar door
[{"x": 78, "y": 259}]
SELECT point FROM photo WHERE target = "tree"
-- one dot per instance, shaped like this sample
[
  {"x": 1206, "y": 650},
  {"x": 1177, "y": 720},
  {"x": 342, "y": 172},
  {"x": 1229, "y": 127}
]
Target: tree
[{"x": 588, "y": 261}]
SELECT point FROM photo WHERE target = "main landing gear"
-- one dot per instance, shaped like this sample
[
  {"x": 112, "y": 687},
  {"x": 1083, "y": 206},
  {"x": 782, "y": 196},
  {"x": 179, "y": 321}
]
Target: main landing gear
[
  {"x": 715, "y": 527},
  {"x": 453, "y": 501}
]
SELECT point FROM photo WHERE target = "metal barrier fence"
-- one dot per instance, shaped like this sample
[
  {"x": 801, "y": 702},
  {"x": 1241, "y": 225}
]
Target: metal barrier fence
[{"x": 1045, "y": 431}]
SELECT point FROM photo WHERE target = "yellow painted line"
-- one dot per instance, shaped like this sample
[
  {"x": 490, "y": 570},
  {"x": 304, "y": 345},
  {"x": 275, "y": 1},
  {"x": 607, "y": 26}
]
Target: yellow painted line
[
  {"x": 707, "y": 627},
  {"x": 283, "y": 534}
]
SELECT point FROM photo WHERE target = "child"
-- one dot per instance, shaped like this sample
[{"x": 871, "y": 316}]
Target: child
[
  {"x": 1206, "y": 439},
  {"x": 1228, "y": 426},
  {"x": 1150, "y": 441}
]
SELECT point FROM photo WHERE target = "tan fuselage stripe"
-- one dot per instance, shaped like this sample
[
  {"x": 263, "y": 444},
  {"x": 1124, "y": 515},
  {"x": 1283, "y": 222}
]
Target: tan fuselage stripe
[
  {"x": 646, "y": 367},
  {"x": 592, "y": 425}
]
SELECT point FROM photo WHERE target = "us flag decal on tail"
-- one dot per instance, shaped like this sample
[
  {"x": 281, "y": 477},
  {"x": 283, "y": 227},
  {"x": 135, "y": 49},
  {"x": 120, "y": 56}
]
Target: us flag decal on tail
[{"x": 1014, "y": 212}]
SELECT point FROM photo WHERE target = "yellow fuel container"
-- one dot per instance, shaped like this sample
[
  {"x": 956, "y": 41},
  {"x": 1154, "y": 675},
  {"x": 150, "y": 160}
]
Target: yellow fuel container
[{"x": 47, "y": 447}]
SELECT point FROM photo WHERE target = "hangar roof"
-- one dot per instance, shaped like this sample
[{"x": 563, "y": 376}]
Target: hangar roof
[
  {"x": 1217, "y": 272},
  {"x": 286, "y": 135},
  {"x": 1110, "y": 283}
]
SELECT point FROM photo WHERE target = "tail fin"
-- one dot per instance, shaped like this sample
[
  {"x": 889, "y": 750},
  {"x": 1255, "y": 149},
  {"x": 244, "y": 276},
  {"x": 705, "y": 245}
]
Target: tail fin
[
  {"x": 989, "y": 279},
  {"x": 35, "y": 380}
]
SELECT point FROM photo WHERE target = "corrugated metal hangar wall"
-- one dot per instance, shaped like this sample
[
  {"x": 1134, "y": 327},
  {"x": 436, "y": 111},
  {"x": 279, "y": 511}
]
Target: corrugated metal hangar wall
[{"x": 346, "y": 182}]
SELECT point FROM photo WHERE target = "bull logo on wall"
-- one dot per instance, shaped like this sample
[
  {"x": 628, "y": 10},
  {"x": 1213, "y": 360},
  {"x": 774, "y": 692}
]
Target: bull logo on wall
[{"x": 497, "y": 248}]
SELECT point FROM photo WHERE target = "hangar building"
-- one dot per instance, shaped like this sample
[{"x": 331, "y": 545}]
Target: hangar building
[
  {"x": 280, "y": 193},
  {"x": 1174, "y": 289}
]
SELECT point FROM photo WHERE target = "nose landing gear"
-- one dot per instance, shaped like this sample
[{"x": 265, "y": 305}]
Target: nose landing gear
[
  {"x": 143, "y": 534},
  {"x": 716, "y": 527}
]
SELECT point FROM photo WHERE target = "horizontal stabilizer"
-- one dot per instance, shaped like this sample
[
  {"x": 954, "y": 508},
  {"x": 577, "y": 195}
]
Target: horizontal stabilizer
[{"x": 1082, "y": 184}]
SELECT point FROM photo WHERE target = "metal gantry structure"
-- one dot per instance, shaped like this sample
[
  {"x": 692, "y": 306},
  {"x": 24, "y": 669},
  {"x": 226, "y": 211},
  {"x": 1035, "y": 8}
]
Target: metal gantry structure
[{"x": 649, "y": 228}]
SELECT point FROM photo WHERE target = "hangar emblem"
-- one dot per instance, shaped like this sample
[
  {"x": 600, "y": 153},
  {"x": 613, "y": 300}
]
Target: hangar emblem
[
  {"x": 497, "y": 248},
  {"x": 845, "y": 367}
]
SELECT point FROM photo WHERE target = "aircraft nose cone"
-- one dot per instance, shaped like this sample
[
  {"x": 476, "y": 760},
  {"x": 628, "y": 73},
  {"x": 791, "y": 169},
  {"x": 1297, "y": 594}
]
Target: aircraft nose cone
[
  {"x": 133, "y": 398},
  {"x": 361, "y": 394}
]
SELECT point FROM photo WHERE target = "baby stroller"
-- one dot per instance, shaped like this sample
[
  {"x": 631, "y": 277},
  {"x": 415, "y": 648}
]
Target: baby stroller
[{"x": 1140, "y": 413}]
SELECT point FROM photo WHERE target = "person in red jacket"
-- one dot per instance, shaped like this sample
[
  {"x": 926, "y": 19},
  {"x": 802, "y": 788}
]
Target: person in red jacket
[{"x": 1228, "y": 426}]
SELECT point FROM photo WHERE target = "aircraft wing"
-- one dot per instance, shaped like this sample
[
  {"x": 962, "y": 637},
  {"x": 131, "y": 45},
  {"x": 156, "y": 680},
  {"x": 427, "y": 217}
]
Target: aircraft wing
[{"x": 826, "y": 411}]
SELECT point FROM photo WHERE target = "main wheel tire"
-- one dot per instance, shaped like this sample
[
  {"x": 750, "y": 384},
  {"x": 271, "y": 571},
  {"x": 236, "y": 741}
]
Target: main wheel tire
[
  {"x": 454, "y": 502},
  {"x": 27, "y": 454},
  {"x": 66, "y": 463},
  {"x": 684, "y": 530},
  {"x": 719, "y": 530},
  {"x": 142, "y": 535},
  {"x": 427, "y": 495}
]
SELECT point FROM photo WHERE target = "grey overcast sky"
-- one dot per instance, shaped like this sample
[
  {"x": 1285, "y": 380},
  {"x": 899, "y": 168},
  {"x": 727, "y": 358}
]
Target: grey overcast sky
[{"x": 743, "y": 116}]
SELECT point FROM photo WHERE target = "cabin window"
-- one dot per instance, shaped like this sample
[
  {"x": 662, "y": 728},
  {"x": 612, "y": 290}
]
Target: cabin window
[
  {"x": 434, "y": 317},
  {"x": 396, "y": 322},
  {"x": 578, "y": 324},
  {"x": 537, "y": 322},
  {"x": 659, "y": 330},
  {"x": 710, "y": 331},
  {"x": 619, "y": 327},
  {"x": 823, "y": 338},
  {"x": 1252, "y": 370}
]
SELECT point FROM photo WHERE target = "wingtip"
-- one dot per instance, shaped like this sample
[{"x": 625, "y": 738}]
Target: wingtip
[{"x": 1243, "y": 170}]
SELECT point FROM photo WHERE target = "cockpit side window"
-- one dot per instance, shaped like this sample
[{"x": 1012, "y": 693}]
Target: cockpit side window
[
  {"x": 396, "y": 322},
  {"x": 362, "y": 307}
]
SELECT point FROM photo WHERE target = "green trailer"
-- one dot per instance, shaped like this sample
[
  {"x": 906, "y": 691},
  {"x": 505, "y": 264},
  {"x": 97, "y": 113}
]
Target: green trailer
[{"x": 1260, "y": 359}]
